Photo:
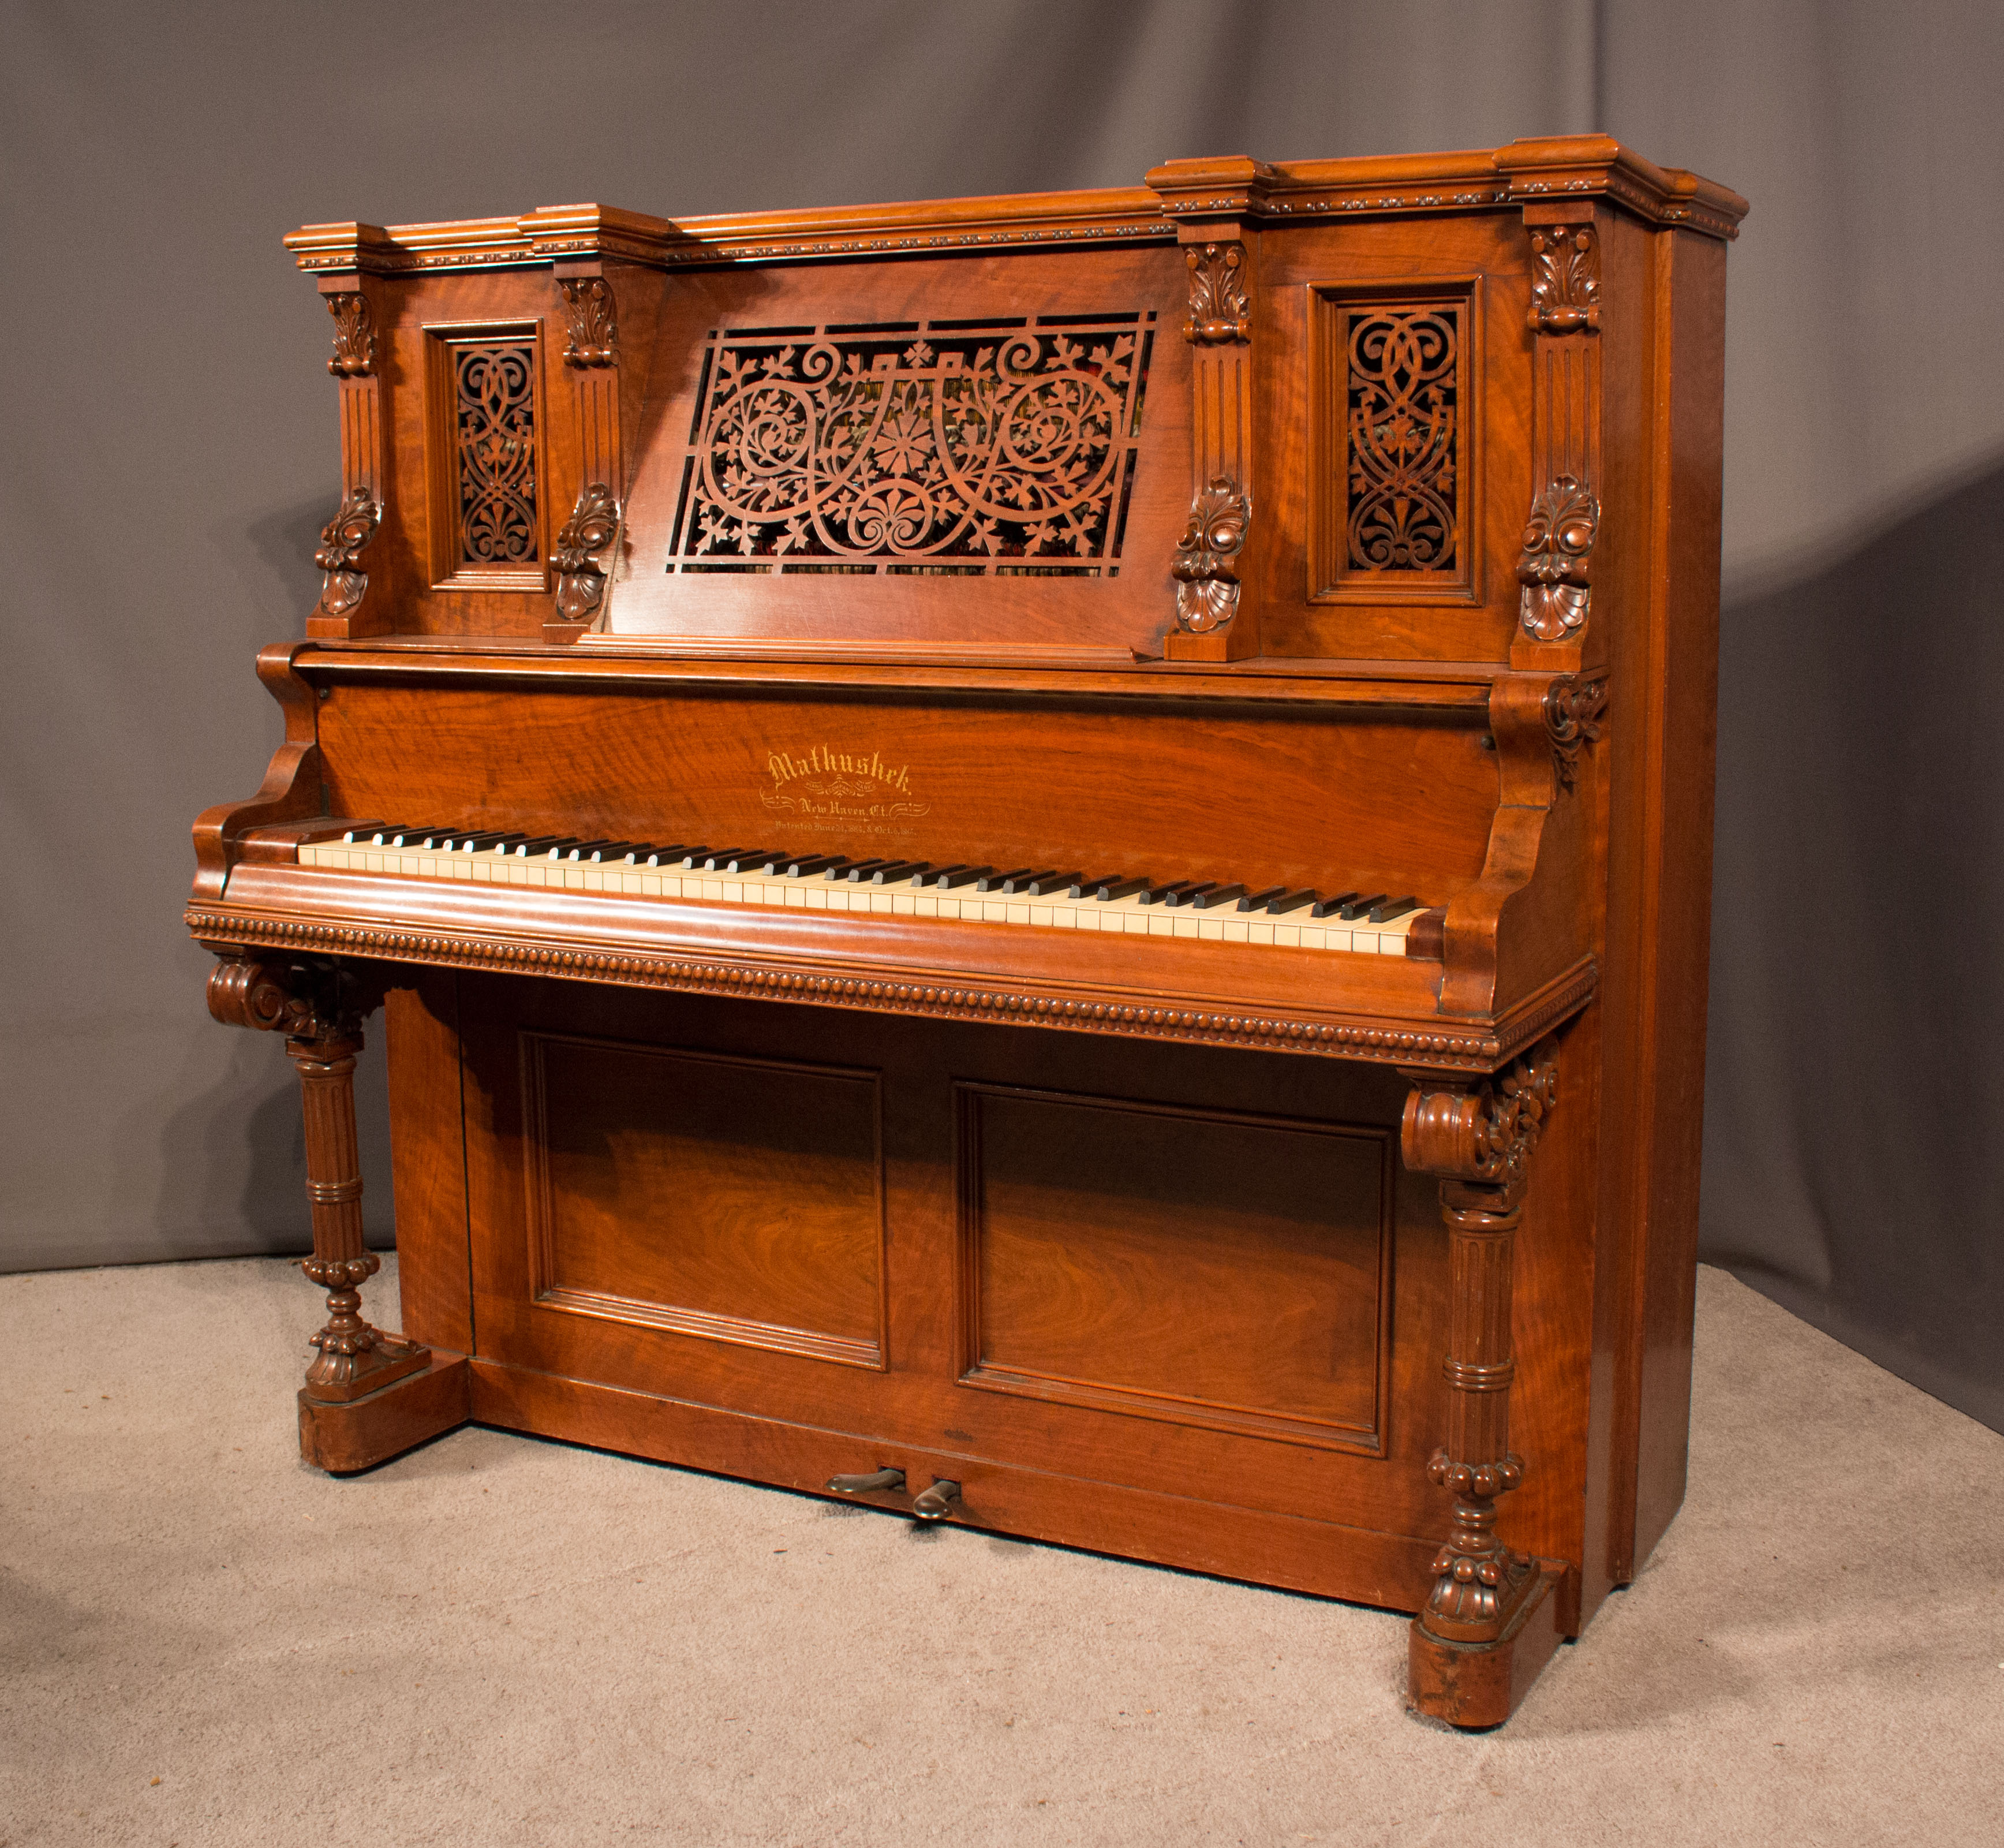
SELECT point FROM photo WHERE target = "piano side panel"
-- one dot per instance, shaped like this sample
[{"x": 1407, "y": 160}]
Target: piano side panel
[{"x": 1396, "y": 803}]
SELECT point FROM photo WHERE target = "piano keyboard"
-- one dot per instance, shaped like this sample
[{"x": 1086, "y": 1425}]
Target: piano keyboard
[{"x": 1052, "y": 898}]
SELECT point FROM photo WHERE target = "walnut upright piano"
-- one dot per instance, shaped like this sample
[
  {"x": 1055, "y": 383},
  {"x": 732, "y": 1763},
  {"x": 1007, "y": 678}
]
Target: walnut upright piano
[{"x": 1044, "y": 861}]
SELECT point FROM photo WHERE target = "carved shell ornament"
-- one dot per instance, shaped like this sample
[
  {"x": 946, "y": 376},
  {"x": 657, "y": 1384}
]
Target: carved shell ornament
[
  {"x": 1206, "y": 583},
  {"x": 593, "y": 525},
  {"x": 1565, "y": 280},
  {"x": 1219, "y": 311},
  {"x": 342, "y": 542},
  {"x": 592, "y": 329},
  {"x": 1558, "y": 545}
]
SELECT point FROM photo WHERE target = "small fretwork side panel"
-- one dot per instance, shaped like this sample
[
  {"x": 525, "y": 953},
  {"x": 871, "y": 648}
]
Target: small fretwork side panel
[
  {"x": 485, "y": 443},
  {"x": 1208, "y": 1268},
  {"x": 737, "y": 1199},
  {"x": 1394, "y": 449}
]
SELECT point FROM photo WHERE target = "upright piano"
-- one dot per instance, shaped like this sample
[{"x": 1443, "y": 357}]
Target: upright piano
[{"x": 1044, "y": 861}]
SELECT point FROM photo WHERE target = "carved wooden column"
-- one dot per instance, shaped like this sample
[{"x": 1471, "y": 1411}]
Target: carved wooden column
[
  {"x": 1489, "y": 1624},
  {"x": 586, "y": 547},
  {"x": 1216, "y": 205},
  {"x": 319, "y": 1008},
  {"x": 338, "y": 615}
]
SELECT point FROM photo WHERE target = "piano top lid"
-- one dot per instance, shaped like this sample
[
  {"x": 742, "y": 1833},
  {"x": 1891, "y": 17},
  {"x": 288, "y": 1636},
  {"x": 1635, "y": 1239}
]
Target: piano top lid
[{"x": 1525, "y": 171}]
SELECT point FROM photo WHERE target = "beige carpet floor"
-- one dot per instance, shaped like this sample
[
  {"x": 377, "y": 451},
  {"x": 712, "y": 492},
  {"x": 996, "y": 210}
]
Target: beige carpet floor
[{"x": 498, "y": 1641}]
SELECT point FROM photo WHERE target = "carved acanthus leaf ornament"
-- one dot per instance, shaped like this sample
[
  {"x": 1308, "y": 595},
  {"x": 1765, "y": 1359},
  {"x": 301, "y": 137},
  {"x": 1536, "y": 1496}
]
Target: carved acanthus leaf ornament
[
  {"x": 1479, "y": 1141},
  {"x": 354, "y": 336},
  {"x": 1565, "y": 280},
  {"x": 1572, "y": 717},
  {"x": 591, "y": 318},
  {"x": 1219, "y": 311},
  {"x": 592, "y": 527},
  {"x": 1207, "y": 580},
  {"x": 342, "y": 542},
  {"x": 1557, "y": 550}
]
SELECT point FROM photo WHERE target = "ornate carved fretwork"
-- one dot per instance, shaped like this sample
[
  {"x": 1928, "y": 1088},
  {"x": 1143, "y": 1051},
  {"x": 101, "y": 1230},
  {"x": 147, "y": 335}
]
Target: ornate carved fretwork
[
  {"x": 593, "y": 524},
  {"x": 1565, "y": 279},
  {"x": 1404, "y": 450},
  {"x": 342, "y": 542},
  {"x": 1557, "y": 550},
  {"x": 1219, "y": 311},
  {"x": 354, "y": 336},
  {"x": 1572, "y": 716},
  {"x": 1479, "y": 1142},
  {"x": 591, "y": 324},
  {"x": 994, "y": 449},
  {"x": 1206, "y": 579},
  {"x": 319, "y": 1007},
  {"x": 495, "y": 415}
]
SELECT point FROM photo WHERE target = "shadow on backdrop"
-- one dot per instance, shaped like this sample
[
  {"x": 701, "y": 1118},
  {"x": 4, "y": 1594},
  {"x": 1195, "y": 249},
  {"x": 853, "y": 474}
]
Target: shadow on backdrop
[{"x": 1854, "y": 1140}]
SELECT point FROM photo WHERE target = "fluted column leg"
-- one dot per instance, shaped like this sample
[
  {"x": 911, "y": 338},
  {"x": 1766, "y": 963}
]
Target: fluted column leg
[{"x": 1474, "y": 1648}]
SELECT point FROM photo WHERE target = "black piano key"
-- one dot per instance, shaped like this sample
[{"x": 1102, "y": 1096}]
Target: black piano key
[
  {"x": 1323, "y": 907},
  {"x": 861, "y": 870},
  {"x": 693, "y": 857},
  {"x": 1290, "y": 901},
  {"x": 1082, "y": 887},
  {"x": 807, "y": 865},
  {"x": 472, "y": 843},
  {"x": 959, "y": 875},
  {"x": 559, "y": 846},
  {"x": 670, "y": 855},
  {"x": 585, "y": 849},
  {"x": 992, "y": 881},
  {"x": 837, "y": 864},
  {"x": 734, "y": 860},
  {"x": 1022, "y": 882},
  {"x": 1120, "y": 889},
  {"x": 898, "y": 872},
  {"x": 1046, "y": 884},
  {"x": 1356, "y": 907},
  {"x": 520, "y": 848},
  {"x": 1190, "y": 892},
  {"x": 1259, "y": 901},
  {"x": 932, "y": 874},
  {"x": 716, "y": 859},
  {"x": 1167, "y": 895},
  {"x": 1216, "y": 895},
  {"x": 1395, "y": 908}
]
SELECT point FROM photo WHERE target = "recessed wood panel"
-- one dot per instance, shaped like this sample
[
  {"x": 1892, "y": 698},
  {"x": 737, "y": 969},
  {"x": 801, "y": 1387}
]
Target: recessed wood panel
[
  {"x": 734, "y": 1199},
  {"x": 1198, "y": 1266}
]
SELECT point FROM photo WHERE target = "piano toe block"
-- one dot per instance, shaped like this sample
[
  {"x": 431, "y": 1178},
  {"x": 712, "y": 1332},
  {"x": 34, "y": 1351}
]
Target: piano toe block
[
  {"x": 1476, "y": 1685},
  {"x": 358, "y": 1434}
]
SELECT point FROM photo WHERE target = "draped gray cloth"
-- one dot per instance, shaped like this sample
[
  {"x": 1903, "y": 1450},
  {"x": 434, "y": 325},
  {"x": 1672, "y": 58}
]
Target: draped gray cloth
[{"x": 172, "y": 453}]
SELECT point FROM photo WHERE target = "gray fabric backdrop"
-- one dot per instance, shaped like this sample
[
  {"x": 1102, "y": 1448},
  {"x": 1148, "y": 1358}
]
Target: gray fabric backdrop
[{"x": 171, "y": 453}]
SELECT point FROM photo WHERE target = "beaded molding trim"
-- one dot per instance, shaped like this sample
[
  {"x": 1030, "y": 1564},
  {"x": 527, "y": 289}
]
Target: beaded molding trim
[{"x": 1470, "y": 1052}]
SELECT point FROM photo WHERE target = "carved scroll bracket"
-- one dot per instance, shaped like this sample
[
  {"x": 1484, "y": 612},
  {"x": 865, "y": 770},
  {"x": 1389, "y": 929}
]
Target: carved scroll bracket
[
  {"x": 319, "y": 1006},
  {"x": 1565, "y": 279},
  {"x": 1553, "y": 565},
  {"x": 1220, "y": 311},
  {"x": 1204, "y": 568},
  {"x": 592, "y": 527},
  {"x": 342, "y": 542},
  {"x": 354, "y": 336},
  {"x": 1478, "y": 1141},
  {"x": 1573, "y": 707},
  {"x": 591, "y": 330}
]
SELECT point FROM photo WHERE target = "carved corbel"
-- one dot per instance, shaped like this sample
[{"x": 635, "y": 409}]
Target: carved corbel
[
  {"x": 1565, "y": 279},
  {"x": 342, "y": 542},
  {"x": 1478, "y": 1139},
  {"x": 1220, "y": 312},
  {"x": 354, "y": 336},
  {"x": 1206, "y": 579},
  {"x": 591, "y": 336},
  {"x": 319, "y": 1007},
  {"x": 1553, "y": 566},
  {"x": 1573, "y": 707},
  {"x": 592, "y": 527}
]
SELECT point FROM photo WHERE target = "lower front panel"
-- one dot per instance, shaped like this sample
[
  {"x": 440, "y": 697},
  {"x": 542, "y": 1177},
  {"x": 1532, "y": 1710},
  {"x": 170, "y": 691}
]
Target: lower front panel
[{"x": 1176, "y": 1302}]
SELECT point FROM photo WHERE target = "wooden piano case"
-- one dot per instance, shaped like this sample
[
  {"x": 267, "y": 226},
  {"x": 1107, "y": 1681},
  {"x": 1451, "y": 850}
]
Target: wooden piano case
[{"x": 1331, "y": 528}]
